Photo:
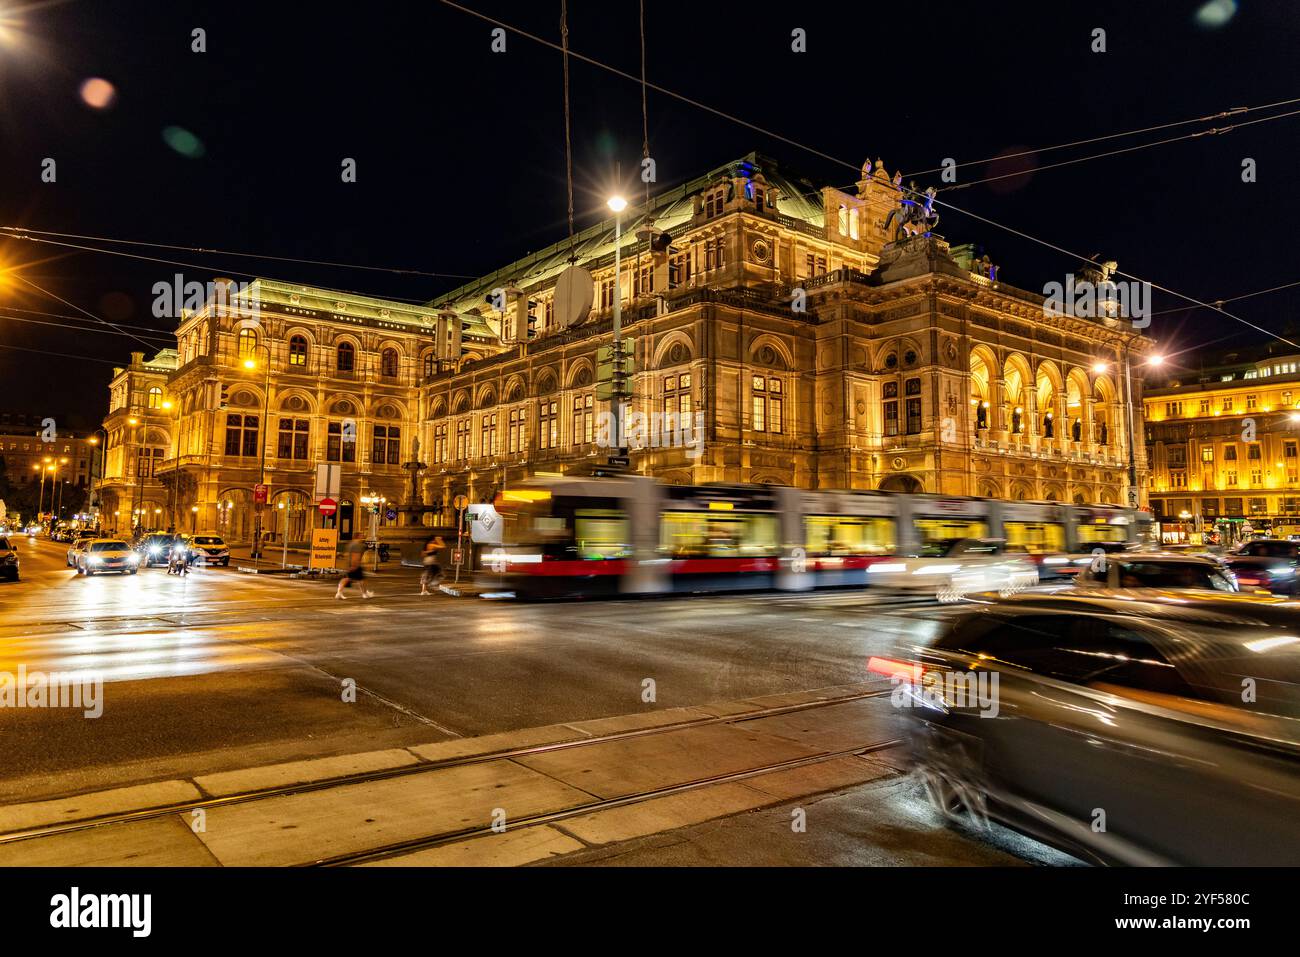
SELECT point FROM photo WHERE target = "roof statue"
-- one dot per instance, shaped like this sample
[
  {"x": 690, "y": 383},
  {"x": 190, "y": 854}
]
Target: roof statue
[{"x": 914, "y": 217}]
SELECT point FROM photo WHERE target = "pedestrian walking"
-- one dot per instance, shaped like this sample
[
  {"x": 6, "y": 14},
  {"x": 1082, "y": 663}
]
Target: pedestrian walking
[
  {"x": 429, "y": 559},
  {"x": 355, "y": 573}
]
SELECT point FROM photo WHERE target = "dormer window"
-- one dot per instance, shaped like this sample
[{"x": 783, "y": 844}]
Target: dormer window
[{"x": 714, "y": 202}]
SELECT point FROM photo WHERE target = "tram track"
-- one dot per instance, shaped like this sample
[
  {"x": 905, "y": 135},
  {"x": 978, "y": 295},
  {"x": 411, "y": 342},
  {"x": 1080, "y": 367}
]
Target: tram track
[
  {"x": 427, "y": 766},
  {"x": 413, "y": 845}
]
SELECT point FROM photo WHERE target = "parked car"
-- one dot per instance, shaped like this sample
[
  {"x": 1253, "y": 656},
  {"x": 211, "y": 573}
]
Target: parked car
[
  {"x": 1270, "y": 563},
  {"x": 1156, "y": 570},
  {"x": 154, "y": 548},
  {"x": 8, "y": 559},
  {"x": 957, "y": 567},
  {"x": 107, "y": 555},
  {"x": 1128, "y": 730}
]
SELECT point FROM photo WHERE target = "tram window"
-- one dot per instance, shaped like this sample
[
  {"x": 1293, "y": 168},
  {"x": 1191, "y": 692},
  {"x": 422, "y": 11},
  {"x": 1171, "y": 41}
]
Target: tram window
[
  {"x": 848, "y": 535},
  {"x": 1034, "y": 537},
  {"x": 1102, "y": 533},
  {"x": 601, "y": 533},
  {"x": 718, "y": 535},
  {"x": 948, "y": 529}
]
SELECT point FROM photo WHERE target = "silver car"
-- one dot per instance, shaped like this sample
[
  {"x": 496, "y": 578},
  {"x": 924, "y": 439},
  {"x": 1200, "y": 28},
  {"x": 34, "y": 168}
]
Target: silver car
[
  {"x": 1156, "y": 570},
  {"x": 953, "y": 568},
  {"x": 1127, "y": 728}
]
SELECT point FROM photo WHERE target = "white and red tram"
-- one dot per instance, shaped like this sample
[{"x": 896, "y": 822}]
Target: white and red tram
[{"x": 576, "y": 537}]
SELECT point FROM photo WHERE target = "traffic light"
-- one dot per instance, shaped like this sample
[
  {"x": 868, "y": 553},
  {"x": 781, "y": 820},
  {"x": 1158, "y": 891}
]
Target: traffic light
[
  {"x": 532, "y": 325},
  {"x": 225, "y": 395}
]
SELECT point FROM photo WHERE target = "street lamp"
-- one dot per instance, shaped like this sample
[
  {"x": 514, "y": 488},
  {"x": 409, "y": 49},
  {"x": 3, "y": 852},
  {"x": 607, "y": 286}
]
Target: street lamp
[
  {"x": 251, "y": 364},
  {"x": 59, "y": 483},
  {"x": 374, "y": 503},
  {"x": 194, "y": 517},
  {"x": 94, "y": 441},
  {"x": 617, "y": 204},
  {"x": 1155, "y": 360}
]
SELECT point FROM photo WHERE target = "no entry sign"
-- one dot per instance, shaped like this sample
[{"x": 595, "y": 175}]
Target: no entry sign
[{"x": 328, "y": 506}]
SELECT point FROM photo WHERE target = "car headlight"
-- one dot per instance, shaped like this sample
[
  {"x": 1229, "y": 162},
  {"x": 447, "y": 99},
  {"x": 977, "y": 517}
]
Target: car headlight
[
  {"x": 154, "y": 550},
  {"x": 94, "y": 559},
  {"x": 1282, "y": 571},
  {"x": 133, "y": 559}
]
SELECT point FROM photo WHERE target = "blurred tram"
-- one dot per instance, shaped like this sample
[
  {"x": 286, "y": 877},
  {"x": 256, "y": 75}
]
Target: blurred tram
[{"x": 575, "y": 536}]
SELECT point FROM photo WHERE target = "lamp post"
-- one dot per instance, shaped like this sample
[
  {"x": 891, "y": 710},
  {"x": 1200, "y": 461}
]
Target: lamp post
[
  {"x": 58, "y": 483},
  {"x": 94, "y": 443},
  {"x": 374, "y": 503},
  {"x": 251, "y": 363},
  {"x": 617, "y": 204},
  {"x": 284, "y": 535},
  {"x": 1099, "y": 367},
  {"x": 194, "y": 517}
]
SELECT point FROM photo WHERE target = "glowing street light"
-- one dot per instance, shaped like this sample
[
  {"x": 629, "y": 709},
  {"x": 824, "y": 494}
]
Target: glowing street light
[{"x": 617, "y": 204}]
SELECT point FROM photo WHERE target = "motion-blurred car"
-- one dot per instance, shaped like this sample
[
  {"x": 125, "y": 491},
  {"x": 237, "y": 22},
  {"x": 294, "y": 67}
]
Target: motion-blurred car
[
  {"x": 1156, "y": 570},
  {"x": 155, "y": 548},
  {"x": 107, "y": 555},
  {"x": 1270, "y": 563},
  {"x": 209, "y": 549},
  {"x": 8, "y": 559},
  {"x": 1123, "y": 729},
  {"x": 956, "y": 567}
]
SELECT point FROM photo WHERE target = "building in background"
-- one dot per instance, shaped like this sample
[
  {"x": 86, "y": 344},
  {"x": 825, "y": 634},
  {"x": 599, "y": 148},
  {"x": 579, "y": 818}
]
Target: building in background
[
  {"x": 798, "y": 338},
  {"x": 1224, "y": 444},
  {"x": 818, "y": 352},
  {"x": 67, "y": 457}
]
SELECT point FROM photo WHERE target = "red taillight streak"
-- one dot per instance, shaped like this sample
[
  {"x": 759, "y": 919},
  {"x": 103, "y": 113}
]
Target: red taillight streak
[{"x": 907, "y": 670}]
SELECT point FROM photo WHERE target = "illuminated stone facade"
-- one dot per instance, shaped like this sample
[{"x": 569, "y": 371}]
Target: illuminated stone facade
[
  {"x": 812, "y": 348},
  {"x": 1225, "y": 449}
]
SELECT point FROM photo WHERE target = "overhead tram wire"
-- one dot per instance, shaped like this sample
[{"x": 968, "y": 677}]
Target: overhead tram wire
[
  {"x": 835, "y": 159},
  {"x": 64, "y": 315},
  {"x": 62, "y": 355},
  {"x": 231, "y": 252},
  {"x": 71, "y": 305},
  {"x": 568, "y": 139},
  {"x": 161, "y": 337},
  {"x": 195, "y": 266}
]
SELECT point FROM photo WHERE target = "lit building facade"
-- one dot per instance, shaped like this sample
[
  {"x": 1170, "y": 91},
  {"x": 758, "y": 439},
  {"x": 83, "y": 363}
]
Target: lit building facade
[
  {"x": 816, "y": 354},
  {"x": 1224, "y": 445},
  {"x": 68, "y": 456},
  {"x": 780, "y": 321}
]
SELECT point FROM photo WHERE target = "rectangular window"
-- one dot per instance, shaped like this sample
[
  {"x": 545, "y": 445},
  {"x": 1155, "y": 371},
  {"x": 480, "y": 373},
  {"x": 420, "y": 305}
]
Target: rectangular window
[
  {"x": 440, "y": 443},
  {"x": 913, "y": 416},
  {"x": 548, "y": 425},
  {"x": 1256, "y": 477},
  {"x": 677, "y": 396},
  {"x": 1205, "y": 407},
  {"x": 1207, "y": 453},
  {"x": 462, "y": 439},
  {"x": 292, "y": 440},
  {"x": 1250, "y": 402},
  {"x": 516, "y": 437},
  {"x": 1253, "y": 452},
  {"x": 1229, "y": 453},
  {"x": 583, "y": 419},
  {"x": 1227, "y": 403},
  {"x": 341, "y": 442},
  {"x": 488, "y": 434},
  {"x": 1232, "y": 477},
  {"x": 1177, "y": 479},
  {"x": 607, "y": 293},
  {"x": 241, "y": 434},
  {"x": 386, "y": 445}
]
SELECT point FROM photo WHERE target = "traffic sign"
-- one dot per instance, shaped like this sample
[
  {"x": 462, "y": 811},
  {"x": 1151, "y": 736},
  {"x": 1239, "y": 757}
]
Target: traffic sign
[
  {"x": 460, "y": 502},
  {"x": 328, "y": 506},
  {"x": 391, "y": 514},
  {"x": 259, "y": 493}
]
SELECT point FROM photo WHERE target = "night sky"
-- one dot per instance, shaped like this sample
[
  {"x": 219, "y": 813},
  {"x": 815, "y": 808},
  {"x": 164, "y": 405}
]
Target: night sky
[{"x": 460, "y": 151}]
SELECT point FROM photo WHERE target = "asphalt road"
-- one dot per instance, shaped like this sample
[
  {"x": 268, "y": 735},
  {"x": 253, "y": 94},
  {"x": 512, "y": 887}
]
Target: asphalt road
[{"x": 222, "y": 670}]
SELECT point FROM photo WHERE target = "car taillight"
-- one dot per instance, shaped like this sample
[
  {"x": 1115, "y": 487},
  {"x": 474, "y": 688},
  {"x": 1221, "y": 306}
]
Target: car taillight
[{"x": 892, "y": 668}]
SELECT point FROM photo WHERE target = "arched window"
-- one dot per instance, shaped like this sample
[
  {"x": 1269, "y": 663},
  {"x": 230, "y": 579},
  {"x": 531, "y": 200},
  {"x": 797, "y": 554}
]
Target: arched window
[
  {"x": 1049, "y": 429},
  {"x": 247, "y": 343},
  {"x": 347, "y": 357},
  {"x": 298, "y": 351},
  {"x": 388, "y": 363},
  {"x": 155, "y": 398}
]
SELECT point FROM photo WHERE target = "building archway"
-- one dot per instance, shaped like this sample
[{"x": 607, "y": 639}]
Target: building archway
[
  {"x": 235, "y": 515},
  {"x": 296, "y": 520},
  {"x": 902, "y": 483}
]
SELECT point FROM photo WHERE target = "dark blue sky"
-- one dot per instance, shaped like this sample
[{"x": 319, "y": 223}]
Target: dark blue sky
[{"x": 461, "y": 151}]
